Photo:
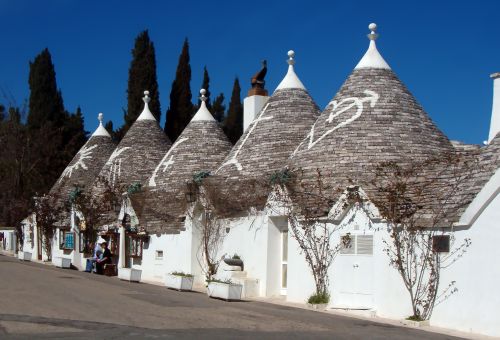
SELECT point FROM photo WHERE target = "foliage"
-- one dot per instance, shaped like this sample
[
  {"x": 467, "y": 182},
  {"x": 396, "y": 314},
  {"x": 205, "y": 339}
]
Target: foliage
[
  {"x": 95, "y": 207},
  {"x": 313, "y": 234},
  {"x": 226, "y": 281},
  {"x": 416, "y": 200},
  {"x": 181, "y": 274},
  {"x": 414, "y": 318},
  {"x": 133, "y": 188},
  {"x": 180, "y": 110},
  {"x": 319, "y": 298},
  {"x": 199, "y": 176},
  {"x": 48, "y": 212},
  {"x": 236, "y": 257},
  {"x": 218, "y": 108},
  {"x": 233, "y": 124},
  {"x": 280, "y": 177},
  {"x": 141, "y": 77}
]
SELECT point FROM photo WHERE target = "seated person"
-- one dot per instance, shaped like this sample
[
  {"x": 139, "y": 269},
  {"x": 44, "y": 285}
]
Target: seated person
[
  {"x": 104, "y": 259},
  {"x": 91, "y": 262}
]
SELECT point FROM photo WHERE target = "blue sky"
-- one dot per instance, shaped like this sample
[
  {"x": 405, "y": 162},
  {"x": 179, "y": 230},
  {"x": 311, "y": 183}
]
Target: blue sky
[{"x": 443, "y": 51}]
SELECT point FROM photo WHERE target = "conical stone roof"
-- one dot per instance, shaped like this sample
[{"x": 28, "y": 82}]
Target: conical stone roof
[
  {"x": 267, "y": 143},
  {"x": 86, "y": 164},
  {"x": 373, "y": 118},
  {"x": 202, "y": 146},
  {"x": 138, "y": 153}
]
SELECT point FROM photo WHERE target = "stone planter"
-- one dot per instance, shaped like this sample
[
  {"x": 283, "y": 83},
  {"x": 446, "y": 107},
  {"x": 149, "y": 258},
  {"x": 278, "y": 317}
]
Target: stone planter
[
  {"x": 317, "y": 306},
  {"x": 235, "y": 264},
  {"x": 179, "y": 282},
  {"x": 130, "y": 274},
  {"x": 24, "y": 256},
  {"x": 224, "y": 291},
  {"x": 62, "y": 262},
  {"x": 416, "y": 324}
]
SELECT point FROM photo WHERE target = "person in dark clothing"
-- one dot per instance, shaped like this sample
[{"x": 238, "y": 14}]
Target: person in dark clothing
[{"x": 105, "y": 259}]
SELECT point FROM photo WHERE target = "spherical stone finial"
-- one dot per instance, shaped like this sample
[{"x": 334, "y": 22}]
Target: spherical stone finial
[
  {"x": 202, "y": 97},
  {"x": 146, "y": 97},
  {"x": 100, "y": 117},
  {"x": 373, "y": 28},
  {"x": 291, "y": 55}
]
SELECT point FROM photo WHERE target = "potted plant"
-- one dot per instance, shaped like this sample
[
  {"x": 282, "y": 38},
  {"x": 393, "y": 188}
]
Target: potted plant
[
  {"x": 234, "y": 261},
  {"x": 129, "y": 274},
  {"x": 224, "y": 289},
  {"x": 179, "y": 281},
  {"x": 318, "y": 301},
  {"x": 24, "y": 256},
  {"x": 415, "y": 321}
]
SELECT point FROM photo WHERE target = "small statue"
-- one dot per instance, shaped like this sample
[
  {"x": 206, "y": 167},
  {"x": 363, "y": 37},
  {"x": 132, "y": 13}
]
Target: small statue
[{"x": 258, "y": 81}]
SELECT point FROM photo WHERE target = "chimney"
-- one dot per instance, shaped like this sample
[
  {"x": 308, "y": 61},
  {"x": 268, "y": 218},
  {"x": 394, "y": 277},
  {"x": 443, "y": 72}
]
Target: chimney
[
  {"x": 257, "y": 96},
  {"x": 495, "y": 111},
  {"x": 252, "y": 105}
]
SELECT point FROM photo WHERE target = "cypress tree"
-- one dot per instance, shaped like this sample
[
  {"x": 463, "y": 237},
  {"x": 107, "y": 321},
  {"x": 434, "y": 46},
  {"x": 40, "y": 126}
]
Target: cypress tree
[
  {"x": 233, "y": 124},
  {"x": 141, "y": 77},
  {"x": 181, "y": 108},
  {"x": 218, "y": 108},
  {"x": 3, "y": 114},
  {"x": 45, "y": 102}
]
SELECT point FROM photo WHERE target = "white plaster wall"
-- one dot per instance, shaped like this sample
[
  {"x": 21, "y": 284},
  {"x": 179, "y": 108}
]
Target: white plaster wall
[
  {"x": 300, "y": 280},
  {"x": 9, "y": 240},
  {"x": 474, "y": 307}
]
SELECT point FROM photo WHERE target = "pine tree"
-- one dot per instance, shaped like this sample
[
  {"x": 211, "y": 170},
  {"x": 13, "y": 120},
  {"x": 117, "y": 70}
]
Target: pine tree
[
  {"x": 233, "y": 124},
  {"x": 141, "y": 77},
  {"x": 181, "y": 108},
  {"x": 45, "y": 102},
  {"x": 218, "y": 108}
]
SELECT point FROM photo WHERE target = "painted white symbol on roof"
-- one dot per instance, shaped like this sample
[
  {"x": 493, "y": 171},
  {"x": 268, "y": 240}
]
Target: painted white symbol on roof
[
  {"x": 338, "y": 108},
  {"x": 234, "y": 159},
  {"x": 115, "y": 164},
  {"x": 166, "y": 164},
  {"x": 84, "y": 154}
]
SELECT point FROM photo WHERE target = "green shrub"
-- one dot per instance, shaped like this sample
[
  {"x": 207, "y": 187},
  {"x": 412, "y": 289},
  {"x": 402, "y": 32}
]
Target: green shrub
[
  {"x": 319, "y": 298},
  {"x": 414, "y": 318},
  {"x": 181, "y": 274},
  {"x": 236, "y": 257}
]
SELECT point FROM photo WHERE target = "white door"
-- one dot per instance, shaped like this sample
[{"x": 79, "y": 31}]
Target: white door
[
  {"x": 355, "y": 274},
  {"x": 284, "y": 260}
]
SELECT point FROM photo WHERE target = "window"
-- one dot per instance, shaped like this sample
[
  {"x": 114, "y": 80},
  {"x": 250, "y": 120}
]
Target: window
[
  {"x": 135, "y": 245},
  {"x": 66, "y": 240},
  {"x": 441, "y": 243},
  {"x": 359, "y": 245},
  {"x": 159, "y": 255},
  {"x": 84, "y": 243}
]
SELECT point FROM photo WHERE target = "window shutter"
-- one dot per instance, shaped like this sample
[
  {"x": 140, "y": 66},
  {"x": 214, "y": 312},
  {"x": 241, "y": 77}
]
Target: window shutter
[{"x": 364, "y": 244}]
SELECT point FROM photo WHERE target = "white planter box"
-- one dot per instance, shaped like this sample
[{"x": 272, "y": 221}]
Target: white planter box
[
  {"x": 130, "y": 274},
  {"x": 62, "y": 262},
  {"x": 24, "y": 256},
  {"x": 225, "y": 291},
  {"x": 179, "y": 282},
  {"x": 317, "y": 306}
]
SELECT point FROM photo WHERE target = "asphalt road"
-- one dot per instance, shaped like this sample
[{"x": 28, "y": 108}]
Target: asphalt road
[{"x": 39, "y": 301}]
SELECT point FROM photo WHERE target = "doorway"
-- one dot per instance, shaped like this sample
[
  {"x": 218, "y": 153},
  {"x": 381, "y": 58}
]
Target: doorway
[{"x": 355, "y": 286}]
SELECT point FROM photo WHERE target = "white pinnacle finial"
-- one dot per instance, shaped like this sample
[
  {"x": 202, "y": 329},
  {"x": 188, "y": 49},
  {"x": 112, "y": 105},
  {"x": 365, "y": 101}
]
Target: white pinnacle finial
[
  {"x": 372, "y": 35},
  {"x": 372, "y": 57},
  {"x": 291, "y": 81},
  {"x": 291, "y": 55},
  {"x": 146, "y": 114},
  {"x": 146, "y": 97},
  {"x": 202, "y": 97},
  {"x": 100, "y": 131}
]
